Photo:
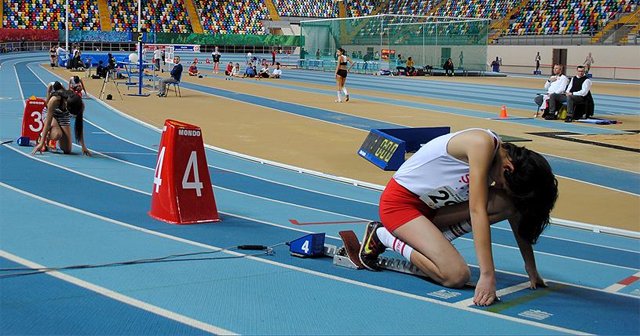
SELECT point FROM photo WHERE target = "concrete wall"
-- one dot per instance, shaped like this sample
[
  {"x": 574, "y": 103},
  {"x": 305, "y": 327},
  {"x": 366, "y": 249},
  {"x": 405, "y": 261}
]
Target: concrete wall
[{"x": 620, "y": 62}]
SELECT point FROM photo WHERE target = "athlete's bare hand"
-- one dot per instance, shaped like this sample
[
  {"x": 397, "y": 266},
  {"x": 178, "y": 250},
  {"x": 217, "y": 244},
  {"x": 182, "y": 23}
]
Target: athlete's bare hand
[
  {"x": 38, "y": 148},
  {"x": 485, "y": 291}
]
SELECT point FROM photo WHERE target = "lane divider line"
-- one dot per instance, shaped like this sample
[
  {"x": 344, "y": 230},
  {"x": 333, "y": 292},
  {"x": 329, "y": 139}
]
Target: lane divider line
[
  {"x": 618, "y": 286},
  {"x": 121, "y": 297}
]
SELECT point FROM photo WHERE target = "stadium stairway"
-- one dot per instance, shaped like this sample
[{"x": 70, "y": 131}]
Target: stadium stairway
[
  {"x": 500, "y": 26},
  {"x": 614, "y": 25},
  {"x": 105, "y": 15},
  {"x": 196, "y": 24},
  {"x": 273, "y": 11}
]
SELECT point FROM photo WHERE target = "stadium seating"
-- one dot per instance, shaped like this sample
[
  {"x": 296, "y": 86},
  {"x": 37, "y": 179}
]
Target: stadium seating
[
  {"x": 244, "y": 17},
  {"x": 492, "y": 9},
  {"x": 360, "y": 8},
  {"x": 169, "y": 16},
  {"x": 568, "y": 17},
  {"x": 307, "y": 8},
  {"x": 232, "y": 17},
  {"x": 50, "y": 15},
  {"x": 410, "y": 7}
]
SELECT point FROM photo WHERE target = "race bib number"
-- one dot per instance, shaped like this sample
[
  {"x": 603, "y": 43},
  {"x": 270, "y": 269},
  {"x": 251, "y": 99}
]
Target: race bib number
[{"x": 444, "y": 196}]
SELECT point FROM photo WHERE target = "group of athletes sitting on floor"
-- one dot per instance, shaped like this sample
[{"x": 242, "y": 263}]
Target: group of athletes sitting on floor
[{"x": 233, "y": 70}]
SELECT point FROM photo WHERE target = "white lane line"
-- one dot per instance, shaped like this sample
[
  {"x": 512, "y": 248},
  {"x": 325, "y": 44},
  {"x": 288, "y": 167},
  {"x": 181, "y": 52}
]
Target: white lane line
[
  {"x": 122, "y": 298},
  {"x": 618, "y": 286},
  {"x": 502, "y": 292},
  {"x": 291, "y": 267},
  {"x": 37, "y": 158},
  {"x": 240, "y": 173},
  {"x": 296, "y": 229},
  {"x": 295, "y": 205}
]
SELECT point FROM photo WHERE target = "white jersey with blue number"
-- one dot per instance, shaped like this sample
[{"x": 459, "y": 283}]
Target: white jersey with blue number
[{"x": 434, "y": 175}]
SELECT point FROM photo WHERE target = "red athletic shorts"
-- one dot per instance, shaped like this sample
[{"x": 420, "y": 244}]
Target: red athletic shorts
[{"x": 399, "y": 205}]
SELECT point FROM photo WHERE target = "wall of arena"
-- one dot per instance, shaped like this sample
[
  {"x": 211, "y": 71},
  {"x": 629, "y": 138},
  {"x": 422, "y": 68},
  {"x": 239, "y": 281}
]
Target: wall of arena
[{"x": 619, "y": 62}]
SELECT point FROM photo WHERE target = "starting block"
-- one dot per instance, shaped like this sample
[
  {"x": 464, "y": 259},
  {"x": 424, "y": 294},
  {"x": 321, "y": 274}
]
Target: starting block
[{"x": 347, "y": 255}]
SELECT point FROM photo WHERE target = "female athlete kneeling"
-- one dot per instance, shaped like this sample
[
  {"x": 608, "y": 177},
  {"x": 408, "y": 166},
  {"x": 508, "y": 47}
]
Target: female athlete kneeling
[
  {"x": 57, "y": 125},
  {"x": 453, "y": 184}
]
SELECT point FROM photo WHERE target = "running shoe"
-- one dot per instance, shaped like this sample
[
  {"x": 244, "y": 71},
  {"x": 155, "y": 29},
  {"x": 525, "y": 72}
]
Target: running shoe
[
  {"x": 371, "y": 247},
  {"x": 346, "y": 98}
]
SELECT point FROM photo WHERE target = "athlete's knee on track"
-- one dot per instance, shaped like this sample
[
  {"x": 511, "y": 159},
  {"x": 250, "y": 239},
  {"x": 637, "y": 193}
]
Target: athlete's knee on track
[{"x": 455, "y": 276}]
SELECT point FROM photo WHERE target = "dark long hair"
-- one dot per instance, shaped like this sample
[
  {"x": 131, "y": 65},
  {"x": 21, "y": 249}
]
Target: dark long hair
[
  {"x": 75, "y": 106},
  {"x": 534, "y": 190}
]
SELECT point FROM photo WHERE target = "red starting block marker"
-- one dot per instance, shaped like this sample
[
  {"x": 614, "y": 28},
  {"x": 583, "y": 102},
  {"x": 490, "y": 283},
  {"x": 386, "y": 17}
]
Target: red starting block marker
[
  {"x": 182, "y": 192},
  {"x": 32, "y": 123}
]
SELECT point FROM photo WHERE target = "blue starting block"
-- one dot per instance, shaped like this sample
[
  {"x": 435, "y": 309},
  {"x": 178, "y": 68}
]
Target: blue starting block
[
  {"x": 311, "y": 245},
  {"x": 386, "y": 148}
]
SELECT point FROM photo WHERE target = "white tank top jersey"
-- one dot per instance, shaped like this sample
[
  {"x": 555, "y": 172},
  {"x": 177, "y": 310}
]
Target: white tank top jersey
[{"x": 435, "y": 176}]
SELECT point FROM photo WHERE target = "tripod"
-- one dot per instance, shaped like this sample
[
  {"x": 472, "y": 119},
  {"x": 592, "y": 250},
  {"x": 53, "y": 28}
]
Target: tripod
[{"x": 104, "y": 83}]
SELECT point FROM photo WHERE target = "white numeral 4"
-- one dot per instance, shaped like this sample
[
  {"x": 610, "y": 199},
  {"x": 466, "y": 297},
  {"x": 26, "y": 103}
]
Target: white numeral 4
[
  {"x": 157, "y": 181},
  {"x": 192, "y": 165},
  {"x": 305, "y": 246}
]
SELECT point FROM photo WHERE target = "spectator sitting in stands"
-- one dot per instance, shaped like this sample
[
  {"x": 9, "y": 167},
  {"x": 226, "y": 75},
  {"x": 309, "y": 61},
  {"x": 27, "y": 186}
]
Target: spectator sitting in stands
[
  {"x": 448, "y": 67},
  {"x": 193, "y": 69},
  {"x": 410, "y": 68},
  {"x": 176, "y": 73},
  {"x": 277, "y": 72},
  {"x": 250, "y": 71},
  {"x": 77, "y": 85},
  {"x": 556, "y": 84},
  {"x": 578, "y": 92}
]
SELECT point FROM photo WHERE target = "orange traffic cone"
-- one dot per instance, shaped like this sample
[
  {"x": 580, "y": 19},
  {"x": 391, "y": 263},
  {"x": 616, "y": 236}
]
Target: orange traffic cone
[{"x": 503, "y": 112}]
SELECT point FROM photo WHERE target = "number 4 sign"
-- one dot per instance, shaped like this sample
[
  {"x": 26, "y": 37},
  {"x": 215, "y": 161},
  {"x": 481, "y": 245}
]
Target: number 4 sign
[{"x": 182, "y": 192}]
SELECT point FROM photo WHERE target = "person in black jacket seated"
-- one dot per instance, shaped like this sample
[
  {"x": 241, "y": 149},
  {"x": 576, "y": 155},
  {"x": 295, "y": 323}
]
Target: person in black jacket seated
[
  {"x": 101, "y": 70},
  {"x": 176, "y": 73},
  {"x": 578, "y": 93},
  {"x": 448, "y": 67}
]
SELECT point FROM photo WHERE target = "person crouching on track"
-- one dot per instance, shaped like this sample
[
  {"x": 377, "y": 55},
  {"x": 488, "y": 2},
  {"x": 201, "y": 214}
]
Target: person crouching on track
[
  {"x": 57, "y": 126},
  {"x": 456, "y": 183},
  {"x": 77, "y": 85}
]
